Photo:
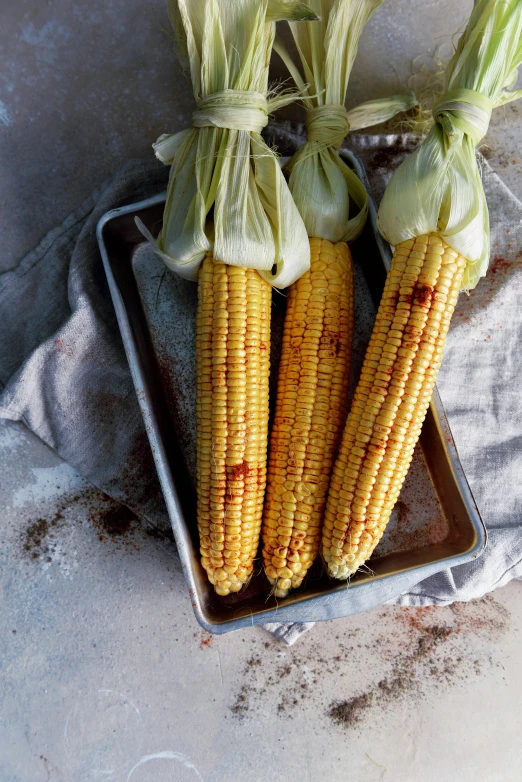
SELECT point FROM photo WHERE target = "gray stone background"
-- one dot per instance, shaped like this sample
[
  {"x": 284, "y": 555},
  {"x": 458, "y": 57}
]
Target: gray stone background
[{"x": 105, "y": 673}]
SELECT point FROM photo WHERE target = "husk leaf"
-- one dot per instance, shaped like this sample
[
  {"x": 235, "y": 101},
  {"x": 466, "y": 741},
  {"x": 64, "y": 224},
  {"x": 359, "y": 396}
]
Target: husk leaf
[
  {"x": 438, "y": 188},
  {"x": 323, "y": 186},
  {"x": 226, "y": 191}
]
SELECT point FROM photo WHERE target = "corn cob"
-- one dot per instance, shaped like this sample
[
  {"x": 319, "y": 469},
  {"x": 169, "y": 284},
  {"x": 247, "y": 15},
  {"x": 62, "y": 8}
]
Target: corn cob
[
  {"x": 232, "y": 349},
  {"x": 311, "y": 407},
  {"x": 391, "y": 399},
  {"x": 312, "y": 391}
]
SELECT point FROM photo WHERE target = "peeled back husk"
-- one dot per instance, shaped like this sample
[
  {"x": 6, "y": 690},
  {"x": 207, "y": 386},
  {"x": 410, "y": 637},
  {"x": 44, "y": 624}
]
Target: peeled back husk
[
  {"x": 324, "y": 188},
  {"x": 226, "y": 191},
  {"x": 439, "y": 188}
]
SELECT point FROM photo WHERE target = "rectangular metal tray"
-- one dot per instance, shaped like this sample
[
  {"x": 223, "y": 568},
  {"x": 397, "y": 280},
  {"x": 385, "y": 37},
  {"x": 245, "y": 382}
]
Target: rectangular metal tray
[{"x": 437, "y": 524}]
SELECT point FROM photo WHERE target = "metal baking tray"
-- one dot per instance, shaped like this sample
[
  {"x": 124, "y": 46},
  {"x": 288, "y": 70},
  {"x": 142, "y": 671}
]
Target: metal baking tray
[{"x": 436, "y": 524}]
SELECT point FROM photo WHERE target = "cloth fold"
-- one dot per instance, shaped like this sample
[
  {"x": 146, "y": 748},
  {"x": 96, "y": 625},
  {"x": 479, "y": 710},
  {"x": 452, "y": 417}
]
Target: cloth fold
[
  {"x": 63, "y": 369},
  {"x": 64, "y": 373}
]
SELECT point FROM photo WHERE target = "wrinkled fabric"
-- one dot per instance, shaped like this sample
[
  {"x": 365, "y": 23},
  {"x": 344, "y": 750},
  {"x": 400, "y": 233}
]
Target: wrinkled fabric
[{"x": 63, "y": 370}]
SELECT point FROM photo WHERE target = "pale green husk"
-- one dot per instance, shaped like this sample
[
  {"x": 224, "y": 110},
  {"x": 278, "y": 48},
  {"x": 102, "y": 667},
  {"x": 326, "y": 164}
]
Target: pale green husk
[
  {"x": 227, "y": 166},
  {"x": 320, "y": 181},
  {"x": 438, "y": 188}
]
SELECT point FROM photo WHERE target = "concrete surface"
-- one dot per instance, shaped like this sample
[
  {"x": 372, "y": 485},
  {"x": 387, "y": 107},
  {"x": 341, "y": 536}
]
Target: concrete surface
[{"x": 105, "y": 673}]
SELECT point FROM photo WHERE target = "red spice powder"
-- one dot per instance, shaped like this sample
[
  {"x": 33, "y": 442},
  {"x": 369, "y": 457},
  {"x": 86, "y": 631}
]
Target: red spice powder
[
  {"x": 64, "y": 348},
  {"x": 205, "y": 639},
  {"x": 239, "y": 471}
]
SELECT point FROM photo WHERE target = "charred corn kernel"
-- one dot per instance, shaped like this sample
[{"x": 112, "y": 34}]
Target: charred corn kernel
[
  {"x": 232, "y": 363},
  {"x": 391, "y": 399},
  {"x": 311, "y": 395}
]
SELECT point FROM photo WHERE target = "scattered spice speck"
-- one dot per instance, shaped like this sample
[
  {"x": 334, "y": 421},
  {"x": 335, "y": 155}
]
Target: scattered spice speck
[
  {"x": 110, "y": 521},
  {"x": 348, "y": 712},
  {"x": 401, "y": 655},
  {"x": 204, "y": 638},
  {"x": 116, "y": 521},
  {"x": 37, "y": 537}
]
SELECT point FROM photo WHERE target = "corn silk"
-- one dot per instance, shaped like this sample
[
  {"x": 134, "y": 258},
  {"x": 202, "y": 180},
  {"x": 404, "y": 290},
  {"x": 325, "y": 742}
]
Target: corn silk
[
  {"x": 226, "y": 190},
  {"x": 439, "y": 187},
  {"x": 324, "y": 188}
]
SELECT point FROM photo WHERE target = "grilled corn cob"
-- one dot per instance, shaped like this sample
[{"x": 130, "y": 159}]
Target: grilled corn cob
[
  {"x": 310, "y": 409},
  {"x": 391, "y": 400},
  {"x": 313, "y": 379},
  {"x": 227, "y": 199},
  {"x": 232, "y": 349},
  {"x": 434, "y": 212}
]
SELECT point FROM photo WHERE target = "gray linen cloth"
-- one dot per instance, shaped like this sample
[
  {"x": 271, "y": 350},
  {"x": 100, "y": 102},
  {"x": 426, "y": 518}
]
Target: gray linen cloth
[{"x": 63, "y": 370}]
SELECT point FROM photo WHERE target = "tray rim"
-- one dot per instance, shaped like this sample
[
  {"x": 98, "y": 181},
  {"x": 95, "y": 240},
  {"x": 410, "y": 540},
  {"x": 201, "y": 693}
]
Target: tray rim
[{"x": 388, "y": 585}]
